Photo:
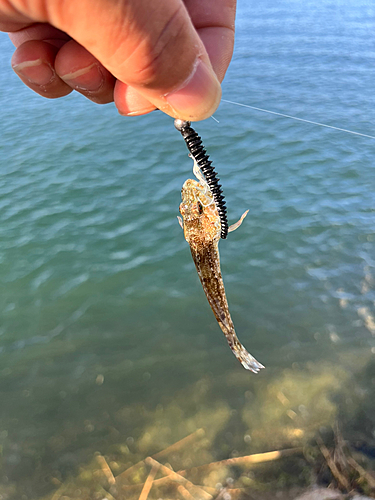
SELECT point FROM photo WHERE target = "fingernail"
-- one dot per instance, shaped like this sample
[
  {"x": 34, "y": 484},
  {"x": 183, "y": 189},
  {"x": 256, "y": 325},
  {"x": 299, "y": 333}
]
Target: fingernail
[
  {"x": 200, "y": 96},
  {"x": 90, "y": 79},
  {"x": 36, "y": 72}
]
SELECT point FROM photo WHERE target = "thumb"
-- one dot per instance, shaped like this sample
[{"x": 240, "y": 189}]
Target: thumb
[{"x": 151, "y": 46}]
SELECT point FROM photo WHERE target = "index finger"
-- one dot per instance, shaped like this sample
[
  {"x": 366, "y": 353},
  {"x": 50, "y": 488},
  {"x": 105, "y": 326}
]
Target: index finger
[{"x": 214, "y": 21}]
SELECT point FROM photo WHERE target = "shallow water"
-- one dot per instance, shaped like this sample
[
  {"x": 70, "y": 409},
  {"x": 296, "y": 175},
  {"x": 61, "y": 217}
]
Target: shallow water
[{"x": 107, "y": 342}]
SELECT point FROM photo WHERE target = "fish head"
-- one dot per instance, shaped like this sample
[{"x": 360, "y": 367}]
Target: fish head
[{"x": 199, "y": 213}]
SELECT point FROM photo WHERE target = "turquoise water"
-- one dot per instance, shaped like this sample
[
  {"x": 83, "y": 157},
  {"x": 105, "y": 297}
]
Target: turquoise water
[{"x": 106, "y": 338}]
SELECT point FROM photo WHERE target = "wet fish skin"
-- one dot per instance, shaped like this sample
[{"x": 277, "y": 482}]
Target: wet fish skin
[{"x": 202, "y": 229}]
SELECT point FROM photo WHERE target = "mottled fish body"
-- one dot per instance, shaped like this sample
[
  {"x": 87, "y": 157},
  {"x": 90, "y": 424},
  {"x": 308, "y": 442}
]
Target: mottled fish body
[{"x": 201, "y": 224}]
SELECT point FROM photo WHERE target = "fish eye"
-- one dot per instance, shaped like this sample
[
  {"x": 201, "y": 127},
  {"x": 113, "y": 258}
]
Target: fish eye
[{"x": 200, "y": 207}]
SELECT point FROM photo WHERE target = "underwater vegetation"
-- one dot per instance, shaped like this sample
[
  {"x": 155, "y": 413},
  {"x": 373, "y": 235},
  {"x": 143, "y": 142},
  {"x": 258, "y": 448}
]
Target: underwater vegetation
[{"x": 309, "y": 426}]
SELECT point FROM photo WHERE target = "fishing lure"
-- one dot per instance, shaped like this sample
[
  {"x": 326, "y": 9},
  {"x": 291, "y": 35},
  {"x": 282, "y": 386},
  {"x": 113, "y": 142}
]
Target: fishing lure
[
  {"x": 201, "y": 159},
  {"x": 204, "y": 222}
]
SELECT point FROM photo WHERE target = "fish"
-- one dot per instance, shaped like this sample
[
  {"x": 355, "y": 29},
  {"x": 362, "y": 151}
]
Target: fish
[{"x": 202, "y": 228}]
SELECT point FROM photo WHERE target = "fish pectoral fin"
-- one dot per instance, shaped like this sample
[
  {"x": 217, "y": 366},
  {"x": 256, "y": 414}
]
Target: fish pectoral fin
[
  {"x": 180, "y": 221},
  {"x": 233, "y": 227}
]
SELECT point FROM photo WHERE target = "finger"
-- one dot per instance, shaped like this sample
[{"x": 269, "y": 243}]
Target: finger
[
  {"x": 33, "y": 62},
  {"x": 73, "y": 59},
  {"x": 151, "y": 46},
  {"x": 219, "y": 45},
  {"x": 39, "y": 31},
  {"x": 73, "y": 64},
  {"x": 83, "y": 72},
  {"x": 12, "y": 19},
  {"x": 129, "y": 102},
  {"x": 215, "y": 23}
]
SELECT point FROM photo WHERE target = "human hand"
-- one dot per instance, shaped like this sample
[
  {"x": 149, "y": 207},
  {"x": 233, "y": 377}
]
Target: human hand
[{"x": 143, "y": 54}]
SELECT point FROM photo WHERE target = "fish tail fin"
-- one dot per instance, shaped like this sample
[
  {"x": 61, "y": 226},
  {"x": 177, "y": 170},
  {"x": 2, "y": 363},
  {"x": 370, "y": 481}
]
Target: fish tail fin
[{"x": 245, "y": 358}]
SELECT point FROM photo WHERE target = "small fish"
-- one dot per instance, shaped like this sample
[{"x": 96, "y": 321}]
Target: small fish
[{"x": 201, "y": 225}]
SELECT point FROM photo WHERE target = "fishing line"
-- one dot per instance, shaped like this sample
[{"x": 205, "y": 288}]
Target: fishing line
[{"x": 299, "y": 119}]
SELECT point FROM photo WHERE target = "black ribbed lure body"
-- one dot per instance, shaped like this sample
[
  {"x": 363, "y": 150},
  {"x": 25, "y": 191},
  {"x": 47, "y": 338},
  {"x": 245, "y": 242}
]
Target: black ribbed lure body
[{"x": 197, "y": 151}]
